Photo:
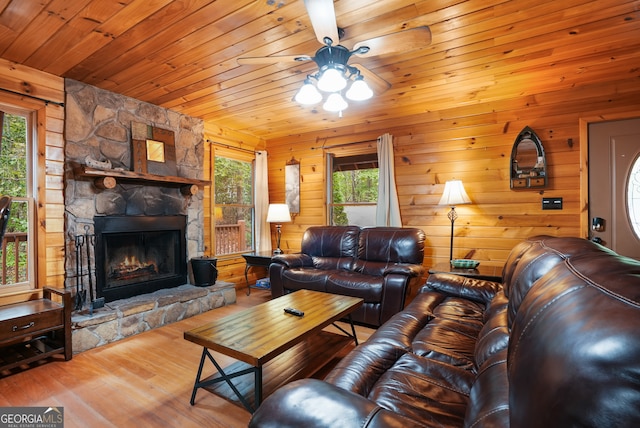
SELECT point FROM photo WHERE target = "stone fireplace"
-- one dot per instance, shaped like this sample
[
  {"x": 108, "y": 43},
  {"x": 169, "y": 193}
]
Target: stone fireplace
[
  {"x": 128, "y": 221},
  {"x": 98, "y": 127}
]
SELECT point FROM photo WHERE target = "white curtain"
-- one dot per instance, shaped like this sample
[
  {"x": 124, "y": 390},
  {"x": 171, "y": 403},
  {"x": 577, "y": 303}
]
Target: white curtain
[
  {"x": 388, "y": 207},
  {"x": 261, "y": 198}
]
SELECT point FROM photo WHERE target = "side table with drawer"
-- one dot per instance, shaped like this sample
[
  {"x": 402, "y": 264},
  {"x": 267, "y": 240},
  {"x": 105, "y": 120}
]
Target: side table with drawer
[{"x": 36, "y": 329}]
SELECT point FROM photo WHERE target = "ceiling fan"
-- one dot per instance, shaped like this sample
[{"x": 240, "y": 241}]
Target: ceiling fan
[{"x": 334, "y": 71}]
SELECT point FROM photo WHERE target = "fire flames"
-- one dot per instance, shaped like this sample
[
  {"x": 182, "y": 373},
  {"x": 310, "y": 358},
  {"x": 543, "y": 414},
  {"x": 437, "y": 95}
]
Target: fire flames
[{"x": 132, "y": 267}]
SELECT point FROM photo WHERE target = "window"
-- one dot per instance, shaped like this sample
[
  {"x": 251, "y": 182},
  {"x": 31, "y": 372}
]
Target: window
[
  {"x": 233, "y": 205},
  {"x": 633, "y": 197},
  {"x": 15, "y": 171},
  {"x": 353, "y": 189}
]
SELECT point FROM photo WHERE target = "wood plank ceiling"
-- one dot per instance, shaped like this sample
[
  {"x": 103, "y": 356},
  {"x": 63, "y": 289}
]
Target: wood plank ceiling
[{"x": 182, "y": 54}]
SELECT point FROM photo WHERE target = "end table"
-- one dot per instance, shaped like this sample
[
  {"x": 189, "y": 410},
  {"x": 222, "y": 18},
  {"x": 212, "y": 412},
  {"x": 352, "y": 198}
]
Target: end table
[
  {"x": 257, "y": 259},
  {"x": 489, "y": 273}
]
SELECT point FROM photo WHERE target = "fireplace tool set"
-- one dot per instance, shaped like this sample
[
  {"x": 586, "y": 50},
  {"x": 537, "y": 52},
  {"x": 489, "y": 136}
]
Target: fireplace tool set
[{"x": 84, "y": 244}]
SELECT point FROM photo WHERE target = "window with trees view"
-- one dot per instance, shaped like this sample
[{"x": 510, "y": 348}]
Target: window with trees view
[
  {"x": 353, "y": 190},
  {"x": 233, "y": 209},
  {"x": 15, "y": 170}
]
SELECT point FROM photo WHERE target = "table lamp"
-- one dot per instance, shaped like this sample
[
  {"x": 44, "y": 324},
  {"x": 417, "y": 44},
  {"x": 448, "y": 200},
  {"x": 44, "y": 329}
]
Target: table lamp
[
  {"x": 454, "y": 194},
  {"x": 278, "y": 214}
]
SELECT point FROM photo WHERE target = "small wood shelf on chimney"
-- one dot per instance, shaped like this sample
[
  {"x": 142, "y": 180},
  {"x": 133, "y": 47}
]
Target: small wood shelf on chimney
[{"x": 107, "y": 179}]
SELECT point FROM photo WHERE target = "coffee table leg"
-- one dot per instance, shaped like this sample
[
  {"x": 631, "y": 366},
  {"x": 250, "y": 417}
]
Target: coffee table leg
[
  {"x": 224, "y": 377},
  {"x": 258, "y": 386},
  {"x": 353, "y": 330},
  {"x": 197, "y": 382}
]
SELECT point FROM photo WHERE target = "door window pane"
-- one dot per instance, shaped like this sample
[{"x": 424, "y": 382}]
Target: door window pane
[{"x": 633, "y": 197}]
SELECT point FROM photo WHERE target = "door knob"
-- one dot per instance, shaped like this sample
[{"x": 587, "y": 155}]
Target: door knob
[{"x": 597, "y": 224}]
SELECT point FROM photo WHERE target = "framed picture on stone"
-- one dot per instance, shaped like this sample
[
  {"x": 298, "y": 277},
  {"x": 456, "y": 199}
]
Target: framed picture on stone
[{"x": 153, "y": 150}]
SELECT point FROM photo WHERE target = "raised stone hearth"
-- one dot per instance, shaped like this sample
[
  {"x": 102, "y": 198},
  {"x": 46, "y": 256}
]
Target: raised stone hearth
[{"x": 123, "y": 318}]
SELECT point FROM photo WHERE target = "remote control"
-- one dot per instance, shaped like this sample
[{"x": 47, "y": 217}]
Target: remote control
[{"x": 293, "y": 311}]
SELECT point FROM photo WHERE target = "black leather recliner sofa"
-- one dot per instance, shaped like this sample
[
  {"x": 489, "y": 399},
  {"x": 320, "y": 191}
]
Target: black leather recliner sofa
[
  {"x": 377, "y": 264},
  {"x": 557, "y": 344}
]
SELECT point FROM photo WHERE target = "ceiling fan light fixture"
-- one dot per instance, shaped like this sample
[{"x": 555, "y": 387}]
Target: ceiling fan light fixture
[
  {"x": 335, "y": 102},
  {"x": 308, "y": 94},
  {"x": 359, "y": 90},
  {"x": 332, "y": 80}
]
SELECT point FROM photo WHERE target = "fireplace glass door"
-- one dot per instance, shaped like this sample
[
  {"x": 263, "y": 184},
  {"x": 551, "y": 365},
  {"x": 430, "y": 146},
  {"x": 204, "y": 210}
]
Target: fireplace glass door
[{"x": 137, "y": 255}]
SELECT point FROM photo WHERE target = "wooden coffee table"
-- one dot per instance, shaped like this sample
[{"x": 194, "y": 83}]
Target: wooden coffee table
[{"x": 295, "y": 347}]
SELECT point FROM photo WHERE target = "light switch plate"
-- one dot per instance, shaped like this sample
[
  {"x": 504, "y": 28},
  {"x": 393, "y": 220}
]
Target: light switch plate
[{"x": 551, "y": 203}]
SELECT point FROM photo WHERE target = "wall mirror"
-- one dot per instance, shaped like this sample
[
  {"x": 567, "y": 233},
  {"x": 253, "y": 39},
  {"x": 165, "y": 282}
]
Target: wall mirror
[
  {"x": 292, "y": 185},
  {"x": 528, "y": 163}
]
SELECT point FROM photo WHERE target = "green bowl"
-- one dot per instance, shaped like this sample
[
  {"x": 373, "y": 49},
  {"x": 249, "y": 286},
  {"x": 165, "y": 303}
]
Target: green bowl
[{"x": 464, "y": 264}]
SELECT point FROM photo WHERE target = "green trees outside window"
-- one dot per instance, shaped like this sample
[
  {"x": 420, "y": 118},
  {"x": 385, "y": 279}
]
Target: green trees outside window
[
  {"x": 13, "y": 182},
  {"x": 233, "y": 210}
]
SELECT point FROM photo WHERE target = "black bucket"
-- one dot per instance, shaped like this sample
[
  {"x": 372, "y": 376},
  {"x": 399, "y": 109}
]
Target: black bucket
[{"x": 204, "y": 270}]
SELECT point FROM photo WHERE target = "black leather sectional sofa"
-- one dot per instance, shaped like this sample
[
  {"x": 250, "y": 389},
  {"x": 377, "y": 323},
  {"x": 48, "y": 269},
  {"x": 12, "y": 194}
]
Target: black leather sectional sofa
[{"x": 557, "y": 344}]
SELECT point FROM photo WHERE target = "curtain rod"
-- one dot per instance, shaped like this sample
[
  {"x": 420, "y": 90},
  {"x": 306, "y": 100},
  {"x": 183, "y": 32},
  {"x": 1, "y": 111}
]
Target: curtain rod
[
  {"x": 344, "y": 144},
  {"x": 45, "y": 101},
  {"x": 232, "y": 147}
]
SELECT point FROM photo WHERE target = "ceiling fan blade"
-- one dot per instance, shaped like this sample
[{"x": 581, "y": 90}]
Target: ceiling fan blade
[
  {"x": 323, "y": 19},
  {"x": 272, "y": 59},
  {"x": 377, "y": 84},
  {"x": 402, "y": 41}
]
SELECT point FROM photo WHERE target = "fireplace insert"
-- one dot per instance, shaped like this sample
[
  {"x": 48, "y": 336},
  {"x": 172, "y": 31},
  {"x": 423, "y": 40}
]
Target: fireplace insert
[{"x": 138, "y": 255}]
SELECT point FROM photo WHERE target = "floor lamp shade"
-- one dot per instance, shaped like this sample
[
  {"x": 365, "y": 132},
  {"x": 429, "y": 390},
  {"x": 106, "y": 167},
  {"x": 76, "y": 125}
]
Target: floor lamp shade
[
  {"x": 454, "y": 194},
  {"x": 278, "y": 214}
]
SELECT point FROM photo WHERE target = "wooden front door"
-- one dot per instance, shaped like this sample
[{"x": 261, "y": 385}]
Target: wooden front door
[{"x": 614, "y": 185}]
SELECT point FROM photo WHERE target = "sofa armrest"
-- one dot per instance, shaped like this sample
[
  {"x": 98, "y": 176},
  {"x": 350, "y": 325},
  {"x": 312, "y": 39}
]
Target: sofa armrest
[
  {"x": 478, "y": 290},
  {"x": 409, "y": 270},
  {"x": 293, "y": 260},
  {"x": 313, "y": 403}
]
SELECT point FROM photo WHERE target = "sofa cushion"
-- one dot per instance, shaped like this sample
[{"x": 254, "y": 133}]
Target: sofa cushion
[
  {"x": 489, "y": 396},
  {"x": 424, "y": 390},
  {"x": 356, "y": 285},
  {"x": 574, "y": 352},
  {"x": 494, "y": 336},
  {"x": 305, "y": 279},
  {"x": 477, "y": 290},
  {"x": 381, "y": 247},
  {"x": 542, "y": 256},
  {"x": 331, "y": 241},
  {"x": 450, "y": 337}
]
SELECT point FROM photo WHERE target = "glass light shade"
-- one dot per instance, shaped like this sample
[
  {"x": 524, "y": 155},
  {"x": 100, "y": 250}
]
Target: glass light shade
[
  {"x": 335, "y": 102},
  {"x": 454, "y": 194},
  {"x": 359, "y": 90},
  {"x": 332, "y": 80},
  {"x": 278, "y": 213},
  {"x": 308, "y": 94}
]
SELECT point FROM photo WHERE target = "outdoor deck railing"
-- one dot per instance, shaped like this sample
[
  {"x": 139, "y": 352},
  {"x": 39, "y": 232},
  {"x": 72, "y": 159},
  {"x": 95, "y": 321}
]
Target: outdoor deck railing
[
  {"x": 231, "y": 238},
  {"x": 16, "y": 244}
]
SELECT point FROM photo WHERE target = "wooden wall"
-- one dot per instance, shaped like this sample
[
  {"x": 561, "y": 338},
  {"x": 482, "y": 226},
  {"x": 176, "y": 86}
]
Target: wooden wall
[
  {"x": 18, "y": 79},
  {"x": 471, "y": 142}
]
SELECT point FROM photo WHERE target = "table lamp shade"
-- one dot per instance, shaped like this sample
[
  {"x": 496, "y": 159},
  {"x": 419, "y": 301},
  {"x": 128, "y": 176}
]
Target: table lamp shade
[
  {"x": 454, "y": 194},
  {"x": 278, "y": 213}
]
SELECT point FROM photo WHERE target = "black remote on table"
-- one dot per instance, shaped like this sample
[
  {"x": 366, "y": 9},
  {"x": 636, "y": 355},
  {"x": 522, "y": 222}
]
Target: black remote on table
[{"x": 293, "y": 311}]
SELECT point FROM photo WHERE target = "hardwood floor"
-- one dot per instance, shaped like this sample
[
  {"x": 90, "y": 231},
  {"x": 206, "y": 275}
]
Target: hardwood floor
[{"x": 143, "y": 381}]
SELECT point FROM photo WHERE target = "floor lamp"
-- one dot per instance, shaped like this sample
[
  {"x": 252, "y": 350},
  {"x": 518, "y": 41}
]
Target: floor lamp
[
  {"x": 454, "y": 194},
  {"x": 278, "y": 214}
]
